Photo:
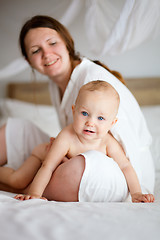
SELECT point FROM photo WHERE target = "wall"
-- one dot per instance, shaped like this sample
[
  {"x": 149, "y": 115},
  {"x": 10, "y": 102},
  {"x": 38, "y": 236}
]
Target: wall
[{"x": 142, "y": 61}]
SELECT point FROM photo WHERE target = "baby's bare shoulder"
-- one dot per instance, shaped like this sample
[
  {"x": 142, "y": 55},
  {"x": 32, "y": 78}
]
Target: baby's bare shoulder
[
  {"x": 109, "y": 138},
  {"x": 111, "y": 142},
  {"x": 66, "y": 134}
]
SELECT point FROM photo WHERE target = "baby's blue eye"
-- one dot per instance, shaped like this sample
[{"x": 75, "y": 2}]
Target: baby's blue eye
[
  {"x": 100, "y": 118},
  {"x": 84, "y": 113}
]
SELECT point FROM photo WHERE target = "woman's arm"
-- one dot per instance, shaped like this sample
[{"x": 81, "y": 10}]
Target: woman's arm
[{"x": 116, "y": 152}]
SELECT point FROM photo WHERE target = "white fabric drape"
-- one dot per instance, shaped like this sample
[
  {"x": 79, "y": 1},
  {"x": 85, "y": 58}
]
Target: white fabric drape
[
  {"x": 138, "y": 21},
  {"x": 17, "y": 66},
  {"x": 110, "y": 28}
]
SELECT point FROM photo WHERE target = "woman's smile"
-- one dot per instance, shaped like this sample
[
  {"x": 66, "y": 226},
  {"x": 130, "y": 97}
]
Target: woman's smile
[
  {"x": 47, "y": 52},
  {"x": 51, "y": 63}
]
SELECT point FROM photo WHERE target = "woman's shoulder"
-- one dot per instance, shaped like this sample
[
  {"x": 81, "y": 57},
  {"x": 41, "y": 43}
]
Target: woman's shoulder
[
  {"x": 88, "y": 70},
  {"x": 92, "y": 68},
  {"x": 88, "y": 63}
]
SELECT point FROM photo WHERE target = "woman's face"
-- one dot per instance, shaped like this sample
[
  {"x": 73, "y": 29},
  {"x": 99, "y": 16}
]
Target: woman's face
[{"x": 47, "y": 52}]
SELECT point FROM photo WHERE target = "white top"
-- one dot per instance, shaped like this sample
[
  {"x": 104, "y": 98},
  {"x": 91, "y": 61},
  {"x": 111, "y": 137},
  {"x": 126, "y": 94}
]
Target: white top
[{"x": 130, "y": 130}]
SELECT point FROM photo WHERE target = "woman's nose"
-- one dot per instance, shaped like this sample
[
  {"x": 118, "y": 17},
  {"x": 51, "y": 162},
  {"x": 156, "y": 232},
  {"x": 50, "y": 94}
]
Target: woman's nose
[{"x": 46, "y": 53}]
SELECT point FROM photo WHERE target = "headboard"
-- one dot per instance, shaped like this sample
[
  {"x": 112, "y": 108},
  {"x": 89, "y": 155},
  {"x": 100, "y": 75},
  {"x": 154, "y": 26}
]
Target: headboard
[
  {"x": 145, "y": 90},
  {"x": 33, "y": 92}
]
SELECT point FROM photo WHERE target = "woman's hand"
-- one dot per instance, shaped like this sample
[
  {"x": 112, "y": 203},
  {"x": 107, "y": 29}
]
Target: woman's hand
[
  {"x": 23, "y": 197},
  {"x": 50, "y": 144},
  {"x": 139, "y": 197}
]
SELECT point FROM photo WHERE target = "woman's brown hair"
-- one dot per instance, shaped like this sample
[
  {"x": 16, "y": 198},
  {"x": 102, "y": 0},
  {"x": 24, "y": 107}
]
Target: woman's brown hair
[{"x": 49, "y": 22}]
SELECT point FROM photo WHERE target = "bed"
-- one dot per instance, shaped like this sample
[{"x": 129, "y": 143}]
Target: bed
[{"x": 38, "y": 219}]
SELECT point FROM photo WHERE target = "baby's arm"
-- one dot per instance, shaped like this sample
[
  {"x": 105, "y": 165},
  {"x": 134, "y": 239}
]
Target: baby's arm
[
  {"x": 116, "y": 152},
  {"x": 53, "y": 159}
]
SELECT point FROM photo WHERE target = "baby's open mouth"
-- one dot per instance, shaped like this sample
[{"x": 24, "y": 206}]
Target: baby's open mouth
[{"x": 89, "y": 131}]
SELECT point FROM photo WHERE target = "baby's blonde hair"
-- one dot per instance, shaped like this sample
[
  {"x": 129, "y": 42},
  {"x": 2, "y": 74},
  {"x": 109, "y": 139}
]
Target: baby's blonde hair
[
  {"x": 96, "y": 85},
  {"x": 100, "y": 85}
]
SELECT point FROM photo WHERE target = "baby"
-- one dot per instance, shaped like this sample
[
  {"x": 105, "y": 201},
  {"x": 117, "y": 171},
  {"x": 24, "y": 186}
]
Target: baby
[{"x": 94, "y": 114}]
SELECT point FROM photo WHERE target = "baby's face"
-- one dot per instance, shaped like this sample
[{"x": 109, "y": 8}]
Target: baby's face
[{"x": 94, "y": 114}]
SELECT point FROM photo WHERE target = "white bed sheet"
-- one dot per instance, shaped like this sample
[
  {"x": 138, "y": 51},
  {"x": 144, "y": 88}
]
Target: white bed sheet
[{"x": 39, "y": 219}]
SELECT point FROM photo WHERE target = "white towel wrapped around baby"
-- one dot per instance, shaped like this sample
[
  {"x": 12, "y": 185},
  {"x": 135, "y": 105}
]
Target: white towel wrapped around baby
[{"x": 102, "y": 180}]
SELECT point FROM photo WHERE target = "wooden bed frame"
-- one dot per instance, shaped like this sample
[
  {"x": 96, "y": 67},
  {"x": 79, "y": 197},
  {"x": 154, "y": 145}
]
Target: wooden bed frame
[
  {"x": 34, "y": 92},
  {"x": 145, "y": 90}
]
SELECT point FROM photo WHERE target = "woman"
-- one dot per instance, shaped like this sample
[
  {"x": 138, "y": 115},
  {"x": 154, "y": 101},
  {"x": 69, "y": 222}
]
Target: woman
[{"x": 49, "y": 48}]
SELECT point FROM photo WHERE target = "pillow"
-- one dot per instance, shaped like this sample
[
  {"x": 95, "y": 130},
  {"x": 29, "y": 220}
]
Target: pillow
[
  {"x": 44, "y": 116},
  {"x": 152, "y": 116}
]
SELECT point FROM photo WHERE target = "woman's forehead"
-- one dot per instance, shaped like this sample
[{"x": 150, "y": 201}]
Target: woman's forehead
[{"x": 36, "y": 35}]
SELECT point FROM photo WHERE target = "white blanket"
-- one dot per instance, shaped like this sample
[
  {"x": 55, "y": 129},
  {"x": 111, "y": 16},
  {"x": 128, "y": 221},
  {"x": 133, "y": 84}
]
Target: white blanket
[{"x": 39, "y": 219}]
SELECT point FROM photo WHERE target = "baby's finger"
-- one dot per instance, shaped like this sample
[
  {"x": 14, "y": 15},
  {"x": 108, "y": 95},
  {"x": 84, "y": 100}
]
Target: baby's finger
[
  {"x": 152, "y": 198},
  {"x": 27, "y": 197},
  {"x": 139, "y": 198},
  {"x": 16, "y": 197},
  {"x": 47, "y": 146},
  {"x": 19, "y": 197},
  {"x": 44, "y": 198},
  {"x": 149, "y": 197},
  {"x": 52, "y": 139}
]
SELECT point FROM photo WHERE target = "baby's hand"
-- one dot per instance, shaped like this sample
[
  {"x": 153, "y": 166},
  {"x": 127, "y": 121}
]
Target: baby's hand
[
  {"x": 139, "y": 197},
  {"x": 23, "y": 197}
]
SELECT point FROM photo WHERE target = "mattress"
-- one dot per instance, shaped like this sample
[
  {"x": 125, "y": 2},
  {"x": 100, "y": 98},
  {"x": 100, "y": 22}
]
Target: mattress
[{"x": 39, "y": 219}]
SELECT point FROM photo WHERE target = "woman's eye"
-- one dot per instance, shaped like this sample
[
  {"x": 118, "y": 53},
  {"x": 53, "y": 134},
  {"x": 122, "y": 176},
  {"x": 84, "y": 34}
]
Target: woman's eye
[
  {"x": 84, "y": 113},
  {"x": 52, "y": 43},
  {"x": 100, "y": 118},
  {"x": 36, "y": 51}
]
